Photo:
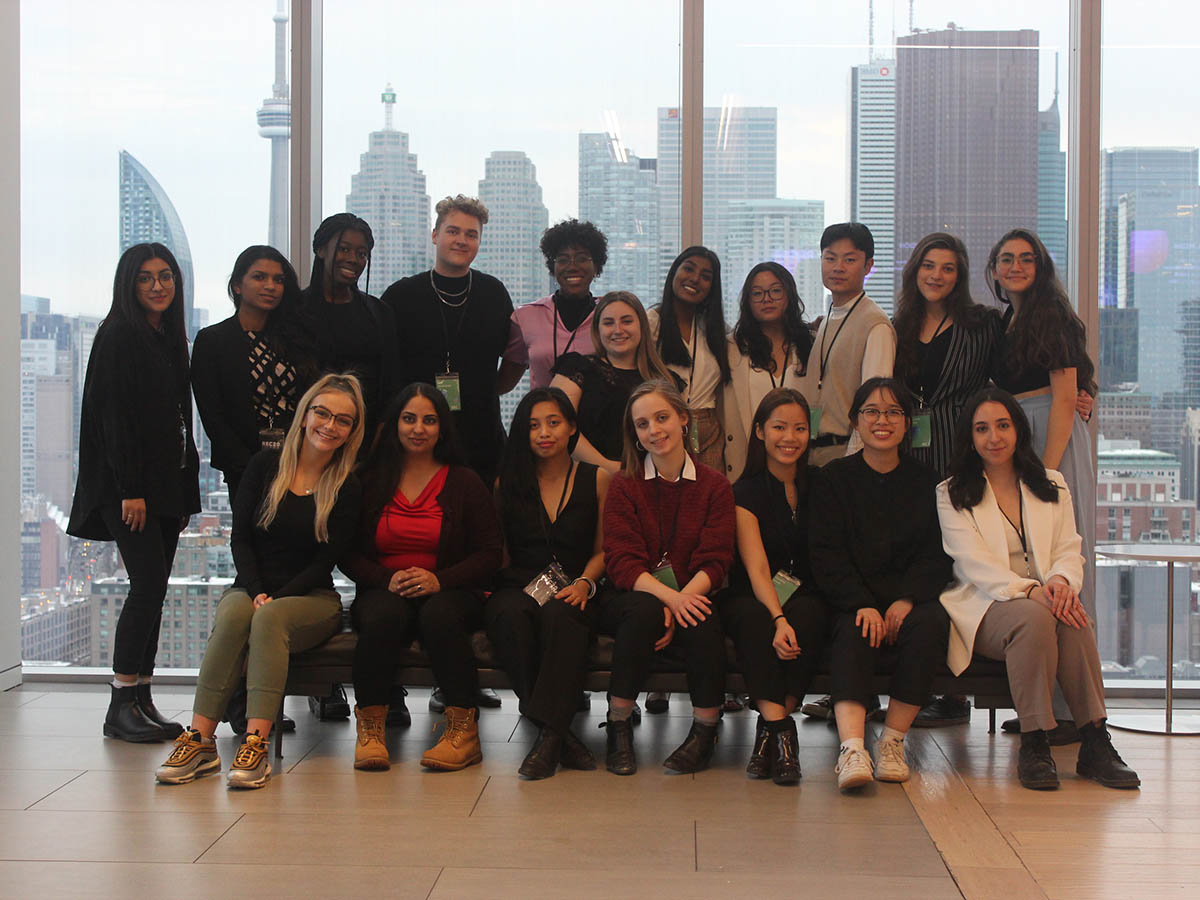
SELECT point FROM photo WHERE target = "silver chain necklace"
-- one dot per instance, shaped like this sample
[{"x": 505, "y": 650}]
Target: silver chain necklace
[{"x": 465, "y": 293}]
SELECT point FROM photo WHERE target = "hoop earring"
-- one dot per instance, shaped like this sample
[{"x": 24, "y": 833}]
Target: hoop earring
[
  {"x": 638, "y": 444},
  {"x": 685, "y": 428}
]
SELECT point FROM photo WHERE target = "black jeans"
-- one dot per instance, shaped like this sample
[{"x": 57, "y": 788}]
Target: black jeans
[
  {"x": 917, "y": 655},
  {"x": 635, "y": 619},
  {"x": 386, "y": 624},
  {"x": 148, "y": 556},
  {"x": 544, "y": 651},
  {"x": 752, "y": 629}
]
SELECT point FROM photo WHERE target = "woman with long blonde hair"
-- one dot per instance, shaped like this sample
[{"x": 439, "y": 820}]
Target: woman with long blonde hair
[{"x": 295, "y": 513}]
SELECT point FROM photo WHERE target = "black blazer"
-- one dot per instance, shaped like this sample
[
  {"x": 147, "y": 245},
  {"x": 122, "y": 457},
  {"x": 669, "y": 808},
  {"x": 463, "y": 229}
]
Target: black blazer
[{"x": 129, "y": 437}]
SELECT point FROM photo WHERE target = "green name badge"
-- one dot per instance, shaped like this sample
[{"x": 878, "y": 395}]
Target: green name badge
[
  {"x": 786, "y": 584},
  {"x": 666, "y": 574},
  {"x": 814, "y": 421},
  {"x": 922, "y": 429},
  {"x": 448, "y": 384}
]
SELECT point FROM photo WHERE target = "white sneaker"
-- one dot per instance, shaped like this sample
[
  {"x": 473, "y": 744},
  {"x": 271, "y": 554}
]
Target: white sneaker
[
  {"x": 853, "y": 768},
  {"x": 892, "y": 764}
]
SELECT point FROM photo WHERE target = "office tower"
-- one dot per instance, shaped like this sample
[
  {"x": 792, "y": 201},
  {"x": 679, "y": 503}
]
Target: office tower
[
  {"x": 1118, "y": 364},
  {"x": 740, "y": 151},
  {"x": 966, "y": 138},
  {"x": 1052, "y": 187},
  {"x": 275, "y": 124},
  {"x": 784, "y": 231},
  {"x": 147, "y": 215},
  {"x": 618, "y": 193},
  {"x": 517, "y": 217},
  {"x": 872, "y": 146},
  {"x": 389, "y": 192}
]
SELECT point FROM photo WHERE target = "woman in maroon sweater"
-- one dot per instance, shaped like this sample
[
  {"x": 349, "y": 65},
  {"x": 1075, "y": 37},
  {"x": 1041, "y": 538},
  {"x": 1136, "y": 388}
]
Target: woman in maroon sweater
[
  {"x": 668, "y": 544},
  {"x": 430, "y": 544}
]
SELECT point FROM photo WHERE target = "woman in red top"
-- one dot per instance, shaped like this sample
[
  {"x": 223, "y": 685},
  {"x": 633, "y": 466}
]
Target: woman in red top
[
  {"x": 429, "y": 545},
  {"x": 668, "y": 544}
]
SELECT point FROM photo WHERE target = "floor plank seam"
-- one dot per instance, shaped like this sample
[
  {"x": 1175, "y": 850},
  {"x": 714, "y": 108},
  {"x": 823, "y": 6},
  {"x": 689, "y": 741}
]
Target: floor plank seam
[
  {"x": 474, "y": 805},
  {"x": 56, "y": 790},
  {"x": 433, "y": 887},
  {"x": 696, "y": 844},
  {"x": 218, "y": 837}
]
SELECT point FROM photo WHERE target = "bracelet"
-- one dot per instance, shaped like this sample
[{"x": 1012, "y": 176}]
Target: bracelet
[
  {"x": 777, "y": 618},
  {"x": 591, "y": 585}
]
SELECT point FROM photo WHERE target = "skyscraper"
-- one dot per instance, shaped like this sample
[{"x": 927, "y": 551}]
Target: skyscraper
[
  {"x": 618, "y": 193},
  {"x": 966, "y": 138},
  {"x": 872, "y": 146},
  {"x": 147, "y": 215},
  {"x": 1052, "y": 183},
  {"x": 275, "y": 124},
  {"x": 516, "y": 219},
  {"x": 389, "y": 192},
  {"x": 784, "y": 231}
]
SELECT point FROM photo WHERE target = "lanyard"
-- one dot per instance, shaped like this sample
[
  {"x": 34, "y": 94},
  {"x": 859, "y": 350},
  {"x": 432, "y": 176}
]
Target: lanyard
[
  {"x": 548, "y": 534},
  {"x": 822, "y": 355},
  {"x": 442, "y": 304},
  {"x": 787, "y": 357},
  {"x": 928, "y": 347},
  {"x": 1019, "y": 528},
  {"x": 663, "y": 547},
  {"x": 554, "y": 331}
]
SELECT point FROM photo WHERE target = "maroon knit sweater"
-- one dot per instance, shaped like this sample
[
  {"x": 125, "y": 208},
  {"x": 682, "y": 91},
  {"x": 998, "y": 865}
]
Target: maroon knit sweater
[{"x": 704, "y": 528}]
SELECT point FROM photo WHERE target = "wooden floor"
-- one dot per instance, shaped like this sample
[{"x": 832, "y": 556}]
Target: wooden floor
[{"x": 81, "y": 816}]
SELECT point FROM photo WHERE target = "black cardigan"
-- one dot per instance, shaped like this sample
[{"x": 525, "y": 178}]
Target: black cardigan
[{"x": 129, "y": 437}]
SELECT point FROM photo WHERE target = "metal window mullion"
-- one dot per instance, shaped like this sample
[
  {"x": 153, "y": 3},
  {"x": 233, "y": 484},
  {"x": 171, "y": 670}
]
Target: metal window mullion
[{"x": 691, "y": 87}]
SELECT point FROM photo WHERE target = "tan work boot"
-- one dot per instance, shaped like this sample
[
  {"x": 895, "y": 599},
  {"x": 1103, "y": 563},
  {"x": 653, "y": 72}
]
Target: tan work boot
[
  {"x": 370, "y": 751},
  {"x": 459, "y": 746}
]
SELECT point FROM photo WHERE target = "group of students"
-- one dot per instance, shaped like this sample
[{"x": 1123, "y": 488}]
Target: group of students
[{"x": 663, "y": 483}]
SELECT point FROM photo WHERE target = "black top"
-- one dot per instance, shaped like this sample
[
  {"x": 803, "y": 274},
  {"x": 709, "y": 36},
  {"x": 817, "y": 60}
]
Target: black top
[
  {"x": 874, "y": 538},
  {"x": 532, "y": 539},
  {"x": 1003, "y": 373},
  {"x": 286, "y": 559},
  {"x": 135, "y": 429},
  {"x": 931, "y": 357},
  {"x": 477, "y": 334},
  {"x": 784, "y": 534},
  {"x": 573, "y": 310}
]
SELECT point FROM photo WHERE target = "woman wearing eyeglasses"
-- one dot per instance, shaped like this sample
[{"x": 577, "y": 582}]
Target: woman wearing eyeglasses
[
  {"x": 877, "y": 558},
  {"x": 428, "y": 548},
  {"x": 137, "y": 482},
  {"x": 294, "y": 516}
]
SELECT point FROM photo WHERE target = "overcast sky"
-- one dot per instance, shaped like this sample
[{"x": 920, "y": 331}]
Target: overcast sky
[{"x": 177, "y": 84}]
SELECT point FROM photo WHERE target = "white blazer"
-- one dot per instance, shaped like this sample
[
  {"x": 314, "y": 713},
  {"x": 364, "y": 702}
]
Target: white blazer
[
  {"x": 975, "y": 540},
  {"x": 739, "y": 402}
]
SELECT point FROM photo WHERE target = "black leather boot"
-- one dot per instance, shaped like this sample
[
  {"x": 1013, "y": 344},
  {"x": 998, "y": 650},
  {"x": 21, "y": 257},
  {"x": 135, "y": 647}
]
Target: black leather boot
[
  {"x": 398, "y": 715},
  {"x": 575, "y": 754},
  {"x": 542, "y": 760},
  {"x": 1099, "y": 760},
  {"x": 1035, "y": 765},
  {"x": 695, "y": 753},
  {"x": 170, "y": 729},
  {"x": 620, "y": 759},
  {"x": 785, "y": 756},
  {"x": 124, "y": 719},
  {"x": 759, "y": 765}
]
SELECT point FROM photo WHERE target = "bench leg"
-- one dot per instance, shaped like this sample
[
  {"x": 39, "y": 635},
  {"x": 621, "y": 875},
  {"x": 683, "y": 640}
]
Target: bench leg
[
  {"x": 992, "y": 720},
  {"x": 279, "y": 731}
]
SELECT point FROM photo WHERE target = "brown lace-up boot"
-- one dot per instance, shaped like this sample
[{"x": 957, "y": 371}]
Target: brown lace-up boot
[
  {"x": 370, "y": 751},
  {"x": 459, "y": 746}
]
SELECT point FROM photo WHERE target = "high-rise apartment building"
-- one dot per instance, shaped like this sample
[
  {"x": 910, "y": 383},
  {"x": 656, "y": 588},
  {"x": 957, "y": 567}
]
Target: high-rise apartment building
[
  {"x": 389, "y": 192},
  {"x": 517, "y": 217},
  {"x": 784, "y": 231},
  {"x": 872, "y": 143},
  {"x": 966, "y": 138}
]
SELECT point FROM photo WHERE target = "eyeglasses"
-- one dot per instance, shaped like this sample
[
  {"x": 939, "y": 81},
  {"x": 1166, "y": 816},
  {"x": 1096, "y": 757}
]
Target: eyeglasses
[
  {"x": 775, "y": 292},
  {"x": 323, "y": 416},
  {"x": 1006, "y": 260},
  {"x": 146, "y": 279},
  {"x": 871, "y": 414},
  {"x": 579, "y": 259}
]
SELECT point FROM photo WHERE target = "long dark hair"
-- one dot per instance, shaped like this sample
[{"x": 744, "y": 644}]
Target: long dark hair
[
  {"x": 670, "y": 340},
  {"x": 1047, "y": 334},
  {"x": 327, "y": 231},
  {"x": 385, "y": 463},
  {"x": 748, "y": 332},
  {"x": 519, "y": 492},
  {"x": 126, "y": 308},
  {"x": 910, "y": 304},
  {"x": 286, "y": 331},
  {"x": 756, "y": 450},
  {"x": 899, "y": 391},
  {"x": 967, "y": 480}
]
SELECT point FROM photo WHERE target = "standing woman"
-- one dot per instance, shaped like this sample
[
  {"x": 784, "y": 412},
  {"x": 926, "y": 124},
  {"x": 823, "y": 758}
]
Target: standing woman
[
  {"x": 771, "y": 608},
  {"x": 295, "y": 514},
  {"x": 689, "y": 333},
  {"x": 137, "y": 482},
  {"x": 429, "y": 545},
  {"x": 544, "y": 330},
  {"x": 599, "y": 384},
  {"x": 249, "y": 372},
  {"x": 768, "y": 349},
  {"x": 540, "y": 620},
  {"x": 668, "y": 544}
]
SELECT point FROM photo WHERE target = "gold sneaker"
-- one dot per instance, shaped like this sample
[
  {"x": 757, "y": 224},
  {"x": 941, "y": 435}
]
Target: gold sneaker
[
  {"x": 192, "y": 758},
  {"x": 251, "y": 767}
]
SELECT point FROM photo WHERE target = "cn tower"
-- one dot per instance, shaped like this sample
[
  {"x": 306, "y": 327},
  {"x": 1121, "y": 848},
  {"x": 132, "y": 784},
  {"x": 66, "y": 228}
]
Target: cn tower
[{"x": 275, "y": 124}]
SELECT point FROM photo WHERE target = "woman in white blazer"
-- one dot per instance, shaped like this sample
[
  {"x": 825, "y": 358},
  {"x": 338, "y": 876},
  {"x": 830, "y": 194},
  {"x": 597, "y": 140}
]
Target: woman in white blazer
[{"x": 1008, "y": 524}]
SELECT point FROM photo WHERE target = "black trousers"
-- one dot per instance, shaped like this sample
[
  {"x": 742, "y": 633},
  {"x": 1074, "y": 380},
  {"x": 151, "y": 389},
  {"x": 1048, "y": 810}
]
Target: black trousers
[
  {"x": 387, "y": 623},
  {"x": 148, "y": 556},
  {"x": 917, "y": 655},
  {"x": 544, "y": 651},
  {"x": 750, "y": 625},
  {"x": 635, "y": 619}
]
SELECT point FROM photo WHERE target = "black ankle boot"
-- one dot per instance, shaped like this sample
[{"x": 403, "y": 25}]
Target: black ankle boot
[
  {"x": 542, "y": 760},
  {"x": 759, "y": 765},
  {"x": 124, "y": 720},
  {"x": 695, "y": 753},
  {"x": 785, "y": 755},
  {"x": 620, "y": 759},
  {"x": 1099, "y": 760},
  {"x": 170, "y": 729},
  {"x": 1035, "y": 765}
]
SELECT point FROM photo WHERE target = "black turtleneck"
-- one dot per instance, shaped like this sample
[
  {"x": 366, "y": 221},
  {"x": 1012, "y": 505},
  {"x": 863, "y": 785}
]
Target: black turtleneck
[{"x": 572, "y": 310}]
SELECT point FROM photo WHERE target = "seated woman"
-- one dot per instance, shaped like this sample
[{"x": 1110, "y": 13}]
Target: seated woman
[
  {"x": 771, "y": 608},
  {"x": 541, "y": 619},
  {"x": 1008, "y": 523},
  {"x": 877, "y": 558},
  {"x": 668, "y": 544},
  {"x": 295, "y": 513},
  {"x": 428, "y": 547}
]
